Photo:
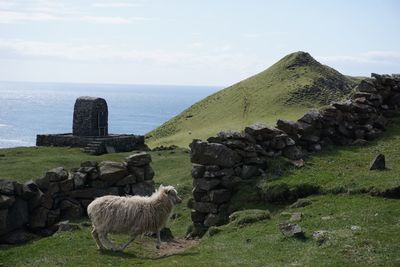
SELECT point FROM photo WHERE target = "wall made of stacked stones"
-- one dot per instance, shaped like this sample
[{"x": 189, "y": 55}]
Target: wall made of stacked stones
[
  {"x": 36, "y": 206},
  {"x": 221, "y": 162}
]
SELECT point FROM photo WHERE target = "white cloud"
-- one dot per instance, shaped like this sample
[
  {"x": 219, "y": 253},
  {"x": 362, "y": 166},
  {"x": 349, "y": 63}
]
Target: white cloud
[{"x": 374, "y": 57}]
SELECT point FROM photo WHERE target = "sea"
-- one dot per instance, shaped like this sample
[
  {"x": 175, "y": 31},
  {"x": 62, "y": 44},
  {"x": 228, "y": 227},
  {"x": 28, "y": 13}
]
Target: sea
[{"x": 30, "y": 108}]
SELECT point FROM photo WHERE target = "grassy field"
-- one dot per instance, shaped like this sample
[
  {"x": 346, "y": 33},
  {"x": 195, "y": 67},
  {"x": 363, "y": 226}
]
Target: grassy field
[
  {"x": 285, "y": 90},
  {"x": 361, "y": 229}
]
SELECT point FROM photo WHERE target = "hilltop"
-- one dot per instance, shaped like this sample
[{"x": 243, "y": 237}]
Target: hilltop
[{"x": 286, "y": 90}]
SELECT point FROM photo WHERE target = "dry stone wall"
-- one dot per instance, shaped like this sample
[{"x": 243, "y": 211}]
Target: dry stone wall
[
  {"x": 221, "y": 162},
  {"x": 36, "y": 206}
]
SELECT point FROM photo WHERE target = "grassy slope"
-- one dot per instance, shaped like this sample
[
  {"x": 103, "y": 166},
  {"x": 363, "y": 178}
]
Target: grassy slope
[
  {"x": 278, "y": 92},
  {"x": 259, "y": 244}
]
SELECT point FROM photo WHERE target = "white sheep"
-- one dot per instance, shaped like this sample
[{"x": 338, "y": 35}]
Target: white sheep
[{"x": 134, "y": 215}]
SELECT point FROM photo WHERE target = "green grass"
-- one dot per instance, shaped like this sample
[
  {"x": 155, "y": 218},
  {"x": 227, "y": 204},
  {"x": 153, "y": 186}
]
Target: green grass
[
  {"x": 256, "y": 243},
  {"x": 282, "y": 91}
]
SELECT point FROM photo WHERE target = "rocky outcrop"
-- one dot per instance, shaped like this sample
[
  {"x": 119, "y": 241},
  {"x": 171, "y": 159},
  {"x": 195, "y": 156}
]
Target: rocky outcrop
[
  {"x": 37, "y": 206},
  {"x": 222, "y": 161}
]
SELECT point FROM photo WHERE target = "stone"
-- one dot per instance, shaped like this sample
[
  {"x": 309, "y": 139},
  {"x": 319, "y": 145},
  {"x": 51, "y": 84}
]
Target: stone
[
  {"x": 213, "y": 220},
  {"x": 99, "y": 184},
  {"x": 47, "y": 201},
  {"x": 79, "y": 179},
  {"x": 378, "y": 163},
  {"x": 28, "y": 193},
  {"x": 296, "y": 216},
  {"x": 366, "y": 86},
  {"x": 205, "y": 207},
  {"x": 56, "y": 174},
  {"x": 310, "y": 138},
  {"x": 291, "y": 230},
  {"x": 220, "y": 196},
  {"x": 16, "y": 217},
  {"x": 289, "y": 127},
  {"x": 293, "y": 153},
  {"x": 53, "y": 216},
  {"x": 66, "y": 226},
  {"x": 381, "y": 122},
  {"x": 112, "y": 172},
  {"x": 91, "y": 193},
  {"x": 218, "y": 173},
  {"x": 205, "y": 153},
  {"x": 279, "y": 141},
  {"x": 298, "y": 163},
  {"x": 7, "y": 187},
  {"x": 343, "y": 106},
  {"x": 197, "y": 217},
  {"x": 35, "y": 201},
  {"x": 43, "y": 183},
  {"x": 206, "y": 184},
  {"x": 138, "y": 172},
  {"x": 231, "y": 182},
  {"x": 249, "y": 171},
  {"x": 359, "y": 142},
  {"x": 138, "y": 159},
  {"x": 145, "y": 188},
  {"x": 54, "y": 188},
  {"x": 90, "y": 163},
  {"x": 261, "y": 130},
  {"x": 311, "y": 117},
  {"x": 19, "y": 236},
  {"x": 3, "y": 220},
  {"x": 6, "y": 201},
  {"x": 320, "y": 236},
  {"x": 148, "y": 172},
  {"x": 71, "y": 209},
  {"x": 130, "y": 179},
  {"x": 198, "y": 171},
  {"x": 301, "y": 202}
]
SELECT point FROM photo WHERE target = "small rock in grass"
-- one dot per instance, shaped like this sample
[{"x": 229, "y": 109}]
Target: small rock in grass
[
  {"x": 301, "y": 202},
  {"x": 296, "y": 216},
  {"x": 378, "y": 163},
  {"x": 291, "y": 230},
  {"x": 320, "y": 236},
  {"x": 355, "y": 228}
]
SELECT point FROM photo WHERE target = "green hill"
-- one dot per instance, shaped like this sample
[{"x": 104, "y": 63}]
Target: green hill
[{"x": 285, "y": 90}]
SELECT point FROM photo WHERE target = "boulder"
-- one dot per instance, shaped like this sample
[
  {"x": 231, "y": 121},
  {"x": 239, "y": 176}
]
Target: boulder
[
  {"x": 53, "y": 216},
  {"x": 198, "y": 171},
  {"x": 213, "y": 220},
  {"x": 56, "y": 174},
  {"x": 291, "y": 230},
  {"x": 197, "y": 217},
  {"x": 3, "y": 220},
  {"x": 7, "y": 187},
  {"x": 289, "y": 127},
  {"x": 6, "y": 201},
  {"x": 366, "y": 86},
  {"x": 206, "y": 184},
  {"x": 296, "y": 216},
  {"x": 311, "y": 117},
  {"x": 148, "y": 172},
  {"x": 130, "y": 179},
  {"x": 205, "y": 207},
  {"x": 231, "y": 182},
  {"x": 112, "y": 172},
  {"x": 249, "y": 171},
  {"x": 17, "y": 215},
  {"x": 220, "y": 196},
  {"x": 138, "y": 159},
  {"x": 145, "y": 188},
  {"x": 91, "y": 193},
  {"x": 67, "y": 185},
  {"x": 19, "y": 236},
  {"x": 38, "y": 218},
  {"x": 43, "y": 183},
  {"x": 293, "y": 152},
  {"x": 71, "y": 209},
  {"x": 79, "y": 179},
  {"x": 260, "y": 129},
  {"x": 205, "y": 153},
  {"x": 378, "y": 163}
]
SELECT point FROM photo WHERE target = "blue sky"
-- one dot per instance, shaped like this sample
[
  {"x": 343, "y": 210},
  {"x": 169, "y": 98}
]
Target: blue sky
[{"x": 193, "y": 42}]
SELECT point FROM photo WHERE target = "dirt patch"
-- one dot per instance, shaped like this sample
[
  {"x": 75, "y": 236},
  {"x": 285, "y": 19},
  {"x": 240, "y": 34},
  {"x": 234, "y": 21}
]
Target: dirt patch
[{"x": 174, "y": 247}]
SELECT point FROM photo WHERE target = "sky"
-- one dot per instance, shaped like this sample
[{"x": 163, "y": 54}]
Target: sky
[{"x": 190, "y": 42}]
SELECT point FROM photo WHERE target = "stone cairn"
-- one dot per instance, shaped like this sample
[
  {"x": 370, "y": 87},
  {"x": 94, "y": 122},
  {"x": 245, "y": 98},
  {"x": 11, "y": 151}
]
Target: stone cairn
[
  {"x": 36, "y": 207},
  {"x": 221, "y": 162}
]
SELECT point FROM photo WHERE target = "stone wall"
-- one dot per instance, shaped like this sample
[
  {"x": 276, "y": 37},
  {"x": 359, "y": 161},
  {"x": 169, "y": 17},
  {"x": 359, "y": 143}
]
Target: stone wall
[
  {"x": 120, "y": 143},
  {"x": 36, "y": 206},
  {"x": 222, "y": 161}
]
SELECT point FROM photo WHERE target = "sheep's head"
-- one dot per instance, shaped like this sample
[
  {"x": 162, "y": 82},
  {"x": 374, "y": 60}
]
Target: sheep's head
[{"x": 171, "y": 192}]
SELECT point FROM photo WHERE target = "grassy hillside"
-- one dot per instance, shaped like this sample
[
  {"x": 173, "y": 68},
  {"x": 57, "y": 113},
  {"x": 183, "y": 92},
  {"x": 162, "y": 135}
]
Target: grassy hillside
[
  {"x": 361, "y": 229},
  {"x": 285, "y": 90}
]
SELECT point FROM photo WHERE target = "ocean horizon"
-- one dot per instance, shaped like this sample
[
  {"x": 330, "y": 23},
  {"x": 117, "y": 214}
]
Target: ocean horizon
[{"x": 31, "y": 108}]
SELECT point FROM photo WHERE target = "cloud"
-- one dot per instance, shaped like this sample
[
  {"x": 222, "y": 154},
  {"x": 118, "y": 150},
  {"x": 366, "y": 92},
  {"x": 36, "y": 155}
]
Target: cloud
[
  {"x": 50, "y": 11},
  {"x": 115, "y": 4},
  {"x": 370, "y": 57}
]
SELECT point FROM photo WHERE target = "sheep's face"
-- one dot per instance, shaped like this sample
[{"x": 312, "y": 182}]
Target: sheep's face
[{"x": 172, "y": 194}]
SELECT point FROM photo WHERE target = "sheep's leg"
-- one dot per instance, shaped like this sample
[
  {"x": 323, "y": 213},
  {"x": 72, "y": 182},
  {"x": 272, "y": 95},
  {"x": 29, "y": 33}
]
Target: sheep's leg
[
  {"x": 158, "y": 240},
  {"x": 107, "y": 242},
  {"x": 125, "y": 245},
  {"x": 96, "y": 238}
]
